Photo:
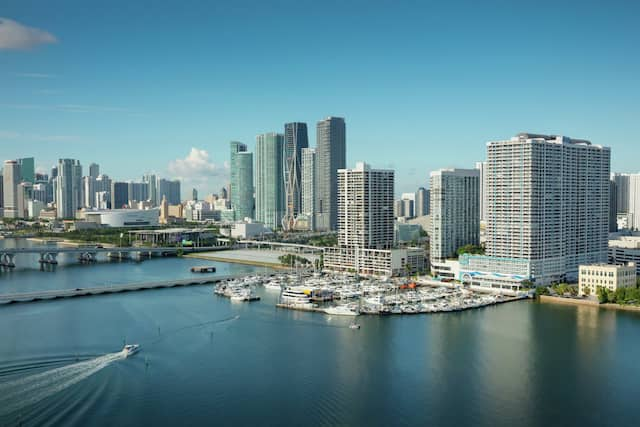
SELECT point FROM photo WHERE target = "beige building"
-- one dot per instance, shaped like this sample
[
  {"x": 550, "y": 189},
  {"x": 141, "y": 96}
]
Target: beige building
[{"x": 609, "y": 276}]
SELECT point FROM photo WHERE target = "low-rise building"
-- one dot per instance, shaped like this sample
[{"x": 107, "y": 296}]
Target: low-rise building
[
  {"x": 123, "y": 217},
  {"x": 376, "y": 262},
  {"x": 625, "y": 249},
  {"x": 608, "y": 276},
  {"x": 494, "y": 272}
]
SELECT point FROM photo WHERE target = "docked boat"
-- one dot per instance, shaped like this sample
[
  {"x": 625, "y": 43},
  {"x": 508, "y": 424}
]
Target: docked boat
[
  {"x": 130, "y": 349},
  {"x": 274, "y": 286},
  {"x": 341, "y": 310},
  {"x": 296, "y": 297}
]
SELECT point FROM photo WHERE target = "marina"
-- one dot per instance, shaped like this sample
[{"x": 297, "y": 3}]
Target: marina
[{"x": 344, "y": 295}]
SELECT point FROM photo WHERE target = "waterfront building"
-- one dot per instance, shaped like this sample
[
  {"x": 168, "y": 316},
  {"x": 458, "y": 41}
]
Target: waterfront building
[
  {"x": 68, "y": 188},
  {"x": 455, "y": 212},
  {"x": 119, "y": 194},
  {"x": 295, "y": 140},
  {"x": 330, "y": 156},
  {"x": 27, "y": 169},
  {"x": 422, "y": 202},
  {"x": 365, "y": 207},
  {"x": 11, "y": 179},
  {"x": 309, "y": 185},
  {"x": 375, "y": 262},
  {"x": 548, "y": 203},
  {"x": 94, "y": 170},
  {"x": 241, "y": 169},
  {"x": 623, "y": 250},
  {"x": 607, "y": 276},
  {"x": 491, "y": 272},
  {"x": 171, "y": 189},
  {"x": 124, "y": 217},
  {"x": 269, "y": 183}
]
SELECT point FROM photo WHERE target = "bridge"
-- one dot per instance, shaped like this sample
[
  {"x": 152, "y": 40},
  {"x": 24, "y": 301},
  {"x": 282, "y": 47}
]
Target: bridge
[
  {"x": 112, "y": 289},
  {"x": 49, "y": 254}
]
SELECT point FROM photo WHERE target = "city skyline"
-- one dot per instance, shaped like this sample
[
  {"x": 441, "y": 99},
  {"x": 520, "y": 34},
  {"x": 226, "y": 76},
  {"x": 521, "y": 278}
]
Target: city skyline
[{"x": 402, "y": 93}]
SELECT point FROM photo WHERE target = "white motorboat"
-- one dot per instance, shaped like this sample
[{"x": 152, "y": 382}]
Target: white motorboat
[
  {"x": 274, "y": 286},
  {"x": 341, "y": 310},
  {"x": 130, "y": 349}
]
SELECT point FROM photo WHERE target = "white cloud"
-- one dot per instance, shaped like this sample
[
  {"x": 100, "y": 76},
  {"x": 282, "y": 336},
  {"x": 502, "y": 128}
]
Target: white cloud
[
  {"x": 14, "y": 35},
  {"x": 199, "y": 171}
]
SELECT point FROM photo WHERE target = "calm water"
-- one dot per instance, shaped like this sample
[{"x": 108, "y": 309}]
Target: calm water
[{"x": 207, "y": 361}]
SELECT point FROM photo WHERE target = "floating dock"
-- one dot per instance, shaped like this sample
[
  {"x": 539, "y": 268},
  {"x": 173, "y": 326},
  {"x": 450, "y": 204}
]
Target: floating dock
[{"x": 203, "y": 269}]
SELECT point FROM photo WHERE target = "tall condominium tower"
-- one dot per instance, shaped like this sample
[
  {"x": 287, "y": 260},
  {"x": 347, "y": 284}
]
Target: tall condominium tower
[
  {"x": 1, "y": 192},
  {"x": 548, "y": 203},
  {"x": 455, "y": 211},
  {"x": 241, "y": 168},
  {"x": 152, "y": 188},
  {"x": 94, "y": 170},
  {"x": 330, "y": 156},
  {"x": 89, "y": 192},
  {"x": 170, "y": 189},
  {"x": 622, "y": 191},
  {"x": 613, "y": 207},
  {"x": 481, "y": 166},
  {"x": 10, "y": 181},
  {"x": 68, "y": 188},
  {"x": 119, "y": 194},
  {"x": 269, "y": 182},
  {"x": 365, "y": 207},
  {"x": 422, "y": 202},
  {"x": 27, "y": 169},
  {"x": 308, "y": 185},
  {"x": 138, "y": 191},
  {"x": 295, "y": 140}
]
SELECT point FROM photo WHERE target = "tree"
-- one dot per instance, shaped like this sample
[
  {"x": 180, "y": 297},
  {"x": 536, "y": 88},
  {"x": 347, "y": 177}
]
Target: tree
[
  {"x": 603, "y": 294},
  {"x": 470, "y": 249}
]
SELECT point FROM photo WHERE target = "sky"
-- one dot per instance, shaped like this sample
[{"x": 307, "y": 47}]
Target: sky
[{"x": 164, "y": 86}]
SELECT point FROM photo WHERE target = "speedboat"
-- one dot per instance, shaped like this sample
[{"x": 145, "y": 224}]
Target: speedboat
[
  {"x": 130, "y": 349},
  {"x": 341, "y": 310},
  {"x": 354, "y": 326}
]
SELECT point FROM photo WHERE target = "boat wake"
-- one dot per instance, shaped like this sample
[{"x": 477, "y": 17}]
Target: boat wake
[{"x": 23, "y": 392}]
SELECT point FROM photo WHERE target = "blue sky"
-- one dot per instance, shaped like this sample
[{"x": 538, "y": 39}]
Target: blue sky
[{"x": 137, "y": 87}]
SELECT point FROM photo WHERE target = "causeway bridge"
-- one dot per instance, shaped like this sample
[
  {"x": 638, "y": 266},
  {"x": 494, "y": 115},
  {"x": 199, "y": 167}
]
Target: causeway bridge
[
  {"x": 112, "y": 289},
  {"x": 89, "y": 253}
]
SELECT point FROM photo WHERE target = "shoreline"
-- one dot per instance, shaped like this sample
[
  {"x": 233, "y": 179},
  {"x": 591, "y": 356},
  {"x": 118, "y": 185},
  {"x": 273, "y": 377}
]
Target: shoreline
[{"x": 574, "y": 301}]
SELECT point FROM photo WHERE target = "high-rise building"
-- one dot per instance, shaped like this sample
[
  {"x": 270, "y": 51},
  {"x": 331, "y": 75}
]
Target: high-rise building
[
  {"x": 89, "y": 192},
  {"x": 365, "y": 207},
  {"x": 1, "y": 192},
  {"x": 269, "y": 182},
  {"x": 634, "y": 201},
  {"x": 481, "y": 166},
  {"x": 138, "y": 191},
  {"x": 330, "y": 156},
  {"x": 622, "y": 191},
  {"x": 295, "y": 140},
  {"x": 547, "y": 203},
  {"x": 408, "y": 204},
  {"x": 613, "y": 207},
  {"x": 11, "y": 179},
  {"x": 170, "y": 189},
  {"x": 152, "y": 183},
  {"x": 94, "y": 170},
  {"x": 27, "y": 169},
  {"x": 25, "y": 189},
  {"x": 455, "y": 211},
  {"x": 119, "y": 194},
  {"x": 68, "y": 188},
  {"x": 241, "y": 169},
  {"x": 308, "y": 185},
  {"x": 422, "y": 202},
  {"x": 194, "y": 194}
]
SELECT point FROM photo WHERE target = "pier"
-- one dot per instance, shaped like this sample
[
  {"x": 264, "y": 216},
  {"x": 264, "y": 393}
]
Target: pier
[{"x": 109, "y": 289}]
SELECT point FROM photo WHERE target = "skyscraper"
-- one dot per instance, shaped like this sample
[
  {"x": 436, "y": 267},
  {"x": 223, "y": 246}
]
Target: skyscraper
[
  {"x": 170, "y": 189},
  {"x": 422, "y": 202},
  {"x": 548, "y": 203},
  {"x": 269, "y": 182},
  {"x": 365, "y": 207},
  {"x": 94, "y": 170},
  {"x": 138, "y": 191},
  {"x": 68, "y": 191},
  {"x": 241, "y": 169},
  {"x": 152, "y": 188},
  {"x": 119, "y": 194},
  {"x": 613, "y": 207},
  {"x": 27, "y": 169},
  {"x": 481, "y": 168},
  {"x": 455, "y": 211},
  {"x": 330, "y": 156},
  {"x": 11, "y": 178},
  {"x": 308, "y": 184},
  {"x": 89, "y": 192},
  {"x": 295, "y": 140}
]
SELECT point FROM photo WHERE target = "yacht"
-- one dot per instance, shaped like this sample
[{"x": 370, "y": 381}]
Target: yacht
[
  {"x": 272, "y": 285},
  {"x": 296, "y": 296},
  {"x": 341, "y": 310},
  {"x": 130, "y": 349}
]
